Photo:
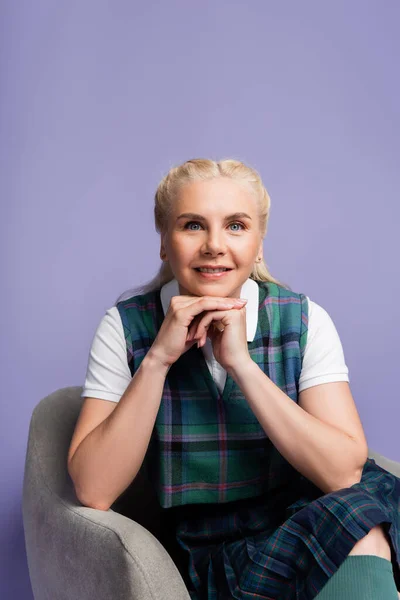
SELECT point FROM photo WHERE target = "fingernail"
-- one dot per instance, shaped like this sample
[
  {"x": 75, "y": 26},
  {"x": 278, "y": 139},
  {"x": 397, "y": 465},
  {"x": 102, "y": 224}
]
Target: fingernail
[{"x": 241, "y": 300}]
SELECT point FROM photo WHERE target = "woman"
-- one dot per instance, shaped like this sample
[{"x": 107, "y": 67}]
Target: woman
[{"x": 239, "y": 411}]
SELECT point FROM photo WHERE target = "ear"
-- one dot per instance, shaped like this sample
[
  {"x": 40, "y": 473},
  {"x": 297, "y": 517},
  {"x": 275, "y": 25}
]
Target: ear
[{"x": 162, "y": 249}]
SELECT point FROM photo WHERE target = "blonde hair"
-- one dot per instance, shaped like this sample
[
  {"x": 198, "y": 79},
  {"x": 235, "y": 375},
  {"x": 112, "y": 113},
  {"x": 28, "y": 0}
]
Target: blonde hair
[{"x": 204, "y": 169}]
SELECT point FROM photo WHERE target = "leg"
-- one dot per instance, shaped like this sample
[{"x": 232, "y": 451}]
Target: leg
[
  {"x": 365, "y": 575},
  {"x": 375, "y": 542}
]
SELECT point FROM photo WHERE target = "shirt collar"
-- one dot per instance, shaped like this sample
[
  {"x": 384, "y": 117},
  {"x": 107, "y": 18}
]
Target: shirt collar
[{"x": 249, "y": 291}]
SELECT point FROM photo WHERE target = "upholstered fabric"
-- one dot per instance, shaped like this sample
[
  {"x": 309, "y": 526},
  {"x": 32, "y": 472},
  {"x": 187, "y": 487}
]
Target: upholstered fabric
[{"x": 75, "y": 552}]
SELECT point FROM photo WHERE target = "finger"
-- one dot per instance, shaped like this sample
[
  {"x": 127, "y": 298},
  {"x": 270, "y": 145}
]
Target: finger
[
  {"x": 201, "y": 336},
  {"x": 211, "y": 317},
  {"x": 204, "y": 302},
  {"x": 189, "y": 300},
  {"x": 202, "y": 340},
  {"x": 192, "y": 330},
  {"x": 212, "y": 333},
  {"x": 232, "y": 303},
  {"x": 214, "y": 318},
  {"x": 193, "y": 326},
  {"x": 208, "y": 303}
]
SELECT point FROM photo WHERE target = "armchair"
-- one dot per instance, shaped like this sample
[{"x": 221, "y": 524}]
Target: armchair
[{"x": 79, "y": 553}]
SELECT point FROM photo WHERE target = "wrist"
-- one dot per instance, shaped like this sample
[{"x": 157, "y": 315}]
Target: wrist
[
  {"x": 242, "y": 368},
  {"x": 154, "y": 362}
]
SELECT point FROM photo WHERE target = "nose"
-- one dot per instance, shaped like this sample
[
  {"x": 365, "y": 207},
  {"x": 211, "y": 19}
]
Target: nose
[{"x": 214, "y": 244}]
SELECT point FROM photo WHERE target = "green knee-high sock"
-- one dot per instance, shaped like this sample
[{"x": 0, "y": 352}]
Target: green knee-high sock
[{"x": 361, "y": 577}]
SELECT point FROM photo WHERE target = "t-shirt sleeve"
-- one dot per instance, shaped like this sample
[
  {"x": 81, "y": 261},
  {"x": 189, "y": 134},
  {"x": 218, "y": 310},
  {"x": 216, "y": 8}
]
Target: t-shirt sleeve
[
  {"x": 323, "y": 360},
  {"x": 108, "y": 374}
]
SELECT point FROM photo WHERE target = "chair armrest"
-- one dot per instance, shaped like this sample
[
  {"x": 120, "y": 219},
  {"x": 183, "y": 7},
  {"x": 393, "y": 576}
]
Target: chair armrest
[
  {"x": 386, "y": 463},
  {"x": 80, "y": 552}
]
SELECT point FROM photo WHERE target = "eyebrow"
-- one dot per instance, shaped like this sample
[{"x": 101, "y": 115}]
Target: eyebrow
[{"x": 238, "y": 215}]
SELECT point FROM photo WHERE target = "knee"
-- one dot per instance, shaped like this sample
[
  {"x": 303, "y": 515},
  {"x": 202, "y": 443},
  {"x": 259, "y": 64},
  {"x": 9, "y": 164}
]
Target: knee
[{"x": 375, "y": 542}]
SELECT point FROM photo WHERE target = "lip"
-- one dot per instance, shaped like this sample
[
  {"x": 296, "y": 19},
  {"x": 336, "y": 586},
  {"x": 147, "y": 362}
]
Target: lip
[
  {"x": 212, "y": 275},
  {"x": 212, "y": 267}
]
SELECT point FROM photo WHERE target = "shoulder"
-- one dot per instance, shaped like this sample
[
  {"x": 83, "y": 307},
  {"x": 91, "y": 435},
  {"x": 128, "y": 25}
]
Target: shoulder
[
  {"x": 324, "y": 359},
  {"x": 107, "y": 374},
  {"x": 141, "y": 317},
  {"x": 137, "y": 300},
  {"x": 110, "y": 326},
  {"x": 139, "y": 305},
  {"x": 276, "y": 290},
  {"x": 275, "y": 293},
  {"x": 320, "y": 322},
  {"x": 289, "y": 305}
]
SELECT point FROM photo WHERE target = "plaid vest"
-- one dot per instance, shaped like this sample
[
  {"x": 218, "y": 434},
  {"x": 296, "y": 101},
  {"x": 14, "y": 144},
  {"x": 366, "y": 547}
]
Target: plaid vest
[{"x": 208, "y": 447}]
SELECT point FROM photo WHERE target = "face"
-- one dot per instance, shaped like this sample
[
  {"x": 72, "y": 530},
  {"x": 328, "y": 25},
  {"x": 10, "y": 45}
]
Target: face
[{"x": 212, "y": 235}]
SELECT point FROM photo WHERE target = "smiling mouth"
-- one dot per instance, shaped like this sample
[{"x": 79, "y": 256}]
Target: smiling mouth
[
  {"x": 212, "y": 275},
  {"x": 212, "y": 270}
]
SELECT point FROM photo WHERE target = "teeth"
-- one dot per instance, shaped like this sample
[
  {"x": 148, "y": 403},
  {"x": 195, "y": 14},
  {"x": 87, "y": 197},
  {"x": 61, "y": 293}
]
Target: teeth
[{"x": 212, "y": 270}]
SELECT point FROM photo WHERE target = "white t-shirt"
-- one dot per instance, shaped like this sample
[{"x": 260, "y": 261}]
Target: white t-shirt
[{"x": 108, "y": 374}]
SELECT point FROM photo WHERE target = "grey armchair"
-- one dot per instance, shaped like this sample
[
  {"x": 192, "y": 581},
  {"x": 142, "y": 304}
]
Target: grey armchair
[{"x": 79, "y": 553}]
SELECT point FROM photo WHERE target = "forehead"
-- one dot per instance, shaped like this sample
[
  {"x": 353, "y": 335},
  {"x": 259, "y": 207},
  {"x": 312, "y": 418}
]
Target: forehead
[{"x": 220, "y": 193}]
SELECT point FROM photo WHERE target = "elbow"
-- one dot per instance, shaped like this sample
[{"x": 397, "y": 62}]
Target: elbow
[
  {"x": 362, "y": 458},
  {"x": 351, "y": 479},
  {"x": 83, "y": 498},
  {"x": 103, "y": 507},
  {"x": 88, "y": 503},
  {"x": 355, "y": 476},
  {"x": 342, "y": 483}
]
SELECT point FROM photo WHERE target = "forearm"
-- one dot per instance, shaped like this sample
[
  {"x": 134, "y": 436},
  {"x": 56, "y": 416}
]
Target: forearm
[
  {"x": 323, "y": 454},
  {"x": 109, "y": 458}
]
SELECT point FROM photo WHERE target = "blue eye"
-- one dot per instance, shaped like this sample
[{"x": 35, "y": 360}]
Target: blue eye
[
  {"x": 190, "y": 223},
  {"x": 242, "y": 226},
  {"x": 197, "y": 223}
]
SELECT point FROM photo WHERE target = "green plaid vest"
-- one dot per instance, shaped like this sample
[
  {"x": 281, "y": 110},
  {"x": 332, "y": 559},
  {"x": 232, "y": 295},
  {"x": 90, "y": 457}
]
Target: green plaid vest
[{"x": 208, "y": 447}]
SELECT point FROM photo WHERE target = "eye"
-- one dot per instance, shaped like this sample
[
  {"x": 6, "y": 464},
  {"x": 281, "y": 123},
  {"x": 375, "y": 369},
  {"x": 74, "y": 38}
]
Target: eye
[
  {"x": 237, "y": 223},
  {"x": 190, "y": 223},
  {"x": 197, "y": 223}
]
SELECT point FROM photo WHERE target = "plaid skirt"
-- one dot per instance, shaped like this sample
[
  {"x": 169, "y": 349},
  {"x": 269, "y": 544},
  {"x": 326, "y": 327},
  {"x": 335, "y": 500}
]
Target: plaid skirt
[{"x": 288, "y": 548}]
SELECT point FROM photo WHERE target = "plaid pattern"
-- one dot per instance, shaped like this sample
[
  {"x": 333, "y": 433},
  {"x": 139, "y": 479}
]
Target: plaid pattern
[
  {"x": 247, "y": 524},
  {"x": 208, "y": 447},
  {"x": 284, "y": 550}
]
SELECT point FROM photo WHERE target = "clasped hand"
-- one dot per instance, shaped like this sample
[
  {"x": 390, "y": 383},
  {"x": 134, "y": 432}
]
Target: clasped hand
[
  {"x": 227, "y": 332},
  {"x": 191, "y": 319}
]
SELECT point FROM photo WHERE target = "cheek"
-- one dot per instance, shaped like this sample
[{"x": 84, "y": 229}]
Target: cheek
[
  {"x": 246, "y": 251},
  {"x": 179, "y": 246}
]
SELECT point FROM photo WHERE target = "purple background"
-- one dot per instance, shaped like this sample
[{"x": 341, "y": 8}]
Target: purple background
[{"x": 99, "y": 99}]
